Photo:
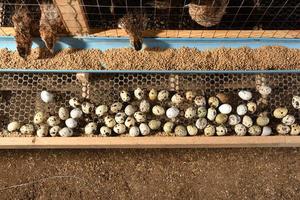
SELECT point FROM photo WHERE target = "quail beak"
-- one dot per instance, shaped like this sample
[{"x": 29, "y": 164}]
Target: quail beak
[{"x": 186, "y": 6}]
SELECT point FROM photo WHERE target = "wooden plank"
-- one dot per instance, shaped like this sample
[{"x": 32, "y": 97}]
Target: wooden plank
[{"x": 148, "y": 142}]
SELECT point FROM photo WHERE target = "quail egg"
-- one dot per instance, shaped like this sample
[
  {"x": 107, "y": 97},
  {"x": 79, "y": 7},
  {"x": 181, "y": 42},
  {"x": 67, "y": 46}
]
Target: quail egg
[
  {"x": 53, "y": 121},
  {"x": 144, "y": 129},
  {"x": 245, "y": 95},
  {"x": 296, "y": 102},
  {"x": 125, "y": 96},
  {"x": 190, "y": 95},
  {"x": 266, "y": 131},
  {"x": 202, "y": 112},
  {"x": 27, "y": 129},
  {"x": 13, "y": 126},
  {"x": 54, "y": 131},
  {"x": 47, "y": 97},
  {"x": 71, "y": 123},
  {"x": 140, "y": 117},
  {"x": 116, "y": 107},
  {"x": 251, "y": 107},
  {"x": 240, "y": 129},
  {"x": 213, "y": 102},
  {"x": 225, "y": 109},
  {"x": 172, "y": 112},
  {"x": 120, "y": 118},
  {"x": 200, "y": 101},
  {"x": 154, "y": 124},
  {"x": 134, "y": 131},
  {"x": 221, "y": 130},
  {"x": 163, "y": 95},
  {"x": 42, "y": 130},
  {"x": 65, "y": 132},
  {"x": 223, "y": 97},
  {"x": 283, "y": 129},
  {"x": 201, "y": 123},
  {"x": 105, "y": 131},
  {"x": 209, "y": 130},
  {"x": 90, "y": 128},
  {"x": 180, "y": 131},
  {"x": 119, "y": 129},
  {"x": 211, "y": 114},
  {"x": 168, "y": 127},
  {"x": 234, "y": 120},
  {"x": 262, "y": 120},
  {"x": 101, "y": 110},
  {"x": 153, "y": 94},
  {"x": 295, "y": 129},
  {"x": 190, "y": 113},
  {"x": 87, "y": 107},
  {"x": 39, "y": 118},
  {"x": 144, "y": 106},
  {"x": 139, "y": 93},
  {"x": 129, "y": 122},
  {"x": 158, "y": 110},
  {"x": 130, "y": 110},
  {"x": 177, "y": 99},
  {"x": 63, "y": 113},
  {"x": 74, "y": 102},
  {"x": 254, "y": 130},
  {"x": 192, "y": 130},
  {"x": 241, "y": 109},
  {"x": 76, "y": 113},
  {"x": 264, "y": 90},
  {"x": 288, "y": 120},
  {"x": 109, "y": 121},
  {"x": 221, "y": 118},
  {"x": 247, "y": 121},
  {"x": 280, "y": 112}
]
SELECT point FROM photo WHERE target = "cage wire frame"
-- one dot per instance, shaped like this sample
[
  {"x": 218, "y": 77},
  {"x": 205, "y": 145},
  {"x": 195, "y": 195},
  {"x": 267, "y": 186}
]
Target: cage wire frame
[{"x": 243, "y": 18}]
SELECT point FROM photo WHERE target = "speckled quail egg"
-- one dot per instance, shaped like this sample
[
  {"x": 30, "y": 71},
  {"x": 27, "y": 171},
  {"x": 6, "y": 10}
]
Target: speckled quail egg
[
  {"x": 211, "y": 114},
  {"x": 144, "y": 106},
  {"x": 200, "y": 101},
  {"x": 177, "y": 99},
  {"x": 221, "y": 130},
  {"x": 39, "y": 117},
  {"x": 139, "y": 93},
  {"x": 192, "y": 130},
  {"x": 234, "y": 120},
  {"x": 53, "y": 121},
  {"x": 221, "y": 118},
  {"x": 288, "y": 120},
  {"x": 129, "y": 122},
  {"x": 295, "y": 129},
  {"x": 42, "y": 130},
  {"x": 105, "y": 131},
  {"x": 65, "y": 132},
  {"x": 101, "y": 110},
  {"x": 172, "y": 112},
  {"x": 201, "y": 123},
  {"x": 144, "y": 129},
  {"x": 71, "y": 123},
  {"x": 180, "y": 131},
  {"x": 54, "y": 131},
  {"x": 140, "y": 117},
  {"x": 225, "y": 109},
  {"x": 241, "y": 109},
  {"x": 202, "y": 112},
  {"x": 153, "y": 94},
  {"x": 63, "y": 113},
  {"x": 296, "y": 102},
  {"x": 266, "y": 131},
  {"x": 74, "y": 102},
  {"x": 119, "y": 129},
  {"x": 254, "y": 130},
  {"x": 210, "y": 130},
  {"x": 190, "y": 95},
  {"x": 134, "y": 131},
  {"x": 130, "y": 110},
  {"x": 125, "y": 96},
  {"x": 158, "y": 110},
  {"x": 27, "y": 129},
  {"x": 163, "y": 95},
  {"x": 13, "y": 126},
  {"x": 262, "y": 120},
  {"x": 76, "y": 113},
  {"x": 247, "y": 121},
  {"x": 87, "y": 107},
  {"x": 190, "y": 113},
  {"x": 224, "y": 98},
  {"x": 264, "y": 90},
  {"x": 47, "y": 97},
  {"x": 213, "y": 102},
  {"x": 280, "y": 112},
  {"x": 116, "y": 107},
  {"x": 240, "y": 130},
  {"x": 251, "y": 107},
  {"x": 120, "y": 118},
  {"x": 245, "y": 95},
  {"x": 283, "y": 129},
  {"x": 90, "y": 128},
  {"x": 109, "y": 121},
  {"x": 154, "y": 124},
  {"x": 168, "y": 127}
]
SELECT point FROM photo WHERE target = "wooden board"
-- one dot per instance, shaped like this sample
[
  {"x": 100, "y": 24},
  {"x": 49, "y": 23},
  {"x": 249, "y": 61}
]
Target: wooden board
[{"x": 148, "y": 142}]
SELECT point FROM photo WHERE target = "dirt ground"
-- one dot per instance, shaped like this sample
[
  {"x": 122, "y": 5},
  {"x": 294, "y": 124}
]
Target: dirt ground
[{"x": 257, "y": 173}]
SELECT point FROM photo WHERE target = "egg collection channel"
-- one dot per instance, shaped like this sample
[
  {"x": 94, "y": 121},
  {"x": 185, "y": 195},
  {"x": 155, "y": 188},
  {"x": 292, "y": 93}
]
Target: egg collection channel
[{"x": 157, "y": 104}]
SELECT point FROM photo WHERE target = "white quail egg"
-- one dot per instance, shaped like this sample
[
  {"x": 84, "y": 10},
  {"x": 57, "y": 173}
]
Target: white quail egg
[
  {"x": 90, "y": 128},
  {"x": 221, "y": 130},
  {"x": 280, "y": 112},
  {"x": 190, "y": 95},
  {"x": 13, "y": 126},
  {"x": 158, "y": 110},
  {"x": 74, "y": 102},
  {"x": 139, "y": 93},
  {"x": 262, "y": 120},
  {"x": 27, "y": 129},
  {"x": 221, "y": 118},
  {"x": 202, "y": 112},
  {"x": 39, "y": 118},
  {"x": 266, "y": 131},
  {"x": 288, "y": 120},
  {"x": 125, "y": 96},
  {"x": 234, "y": 120},
  {"x": 140, "y": 117},
  {"x": 71, "y": 123},
  {"x": 201, "y": 123},
  {"x": 144, "y": 129},
  {"x": 240, "y": 129},
  {"x": 264, "y": 90},
  {"x": 144, "y": 106},
  {"x": 105, "y": 131},
  {"x": 119, "y": 129},
  {"x": 211, "y": 114},
  {"x": 177, "y": 99},
  {"x": 116, "y": 107},
  {"x": 47, "y": 97},
  {"x": 295, "y": 129},
  {"x": 168, "y": 127},
  {"x": 76, "y": 113},
  {"x": 224, "y": 98},
  {"x": 63, "y": 113},
  {"x": 251, "y": 107},
  {"x": 153, "y": 94},
  {"x": 225, "y": 109},
  {"x": 53, "y": 121},
  {"x": 245, "y": 95},
  {"x": 109, "y": 121},
  {"x": 296, "y": 102},
  {"x": 283, "y": 129},
  {"x": 134, "y": 131},
  {"x": 129, "y": 122},
  {"x": 190, "y": 113},
  {"x": 101, "y": 110},
  {"x": 42, "y": 130},
  {"x": 254, "y": 130},
  {"x": 200, "y": 101},
  {"x": 213, "y": 102},
  {"x": 241, "y": 109},
  {"x": 120, "y": 118},
  {"x": 54, "y": 131},
  {"x": 65, "y": 132},
  {"x": 163, "y": 95},
  {"x": 180, "y": 131},
  {"x": 154, "y": 124},
  {"x": 192, "y": 130},
  {"x": 172, "y": 112},
  {"x": 130, "y": 110},
  {"x": 209, "y": 130},
  {"x": 247, "y": 121},
  {"x": 87, "y": 107}
]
